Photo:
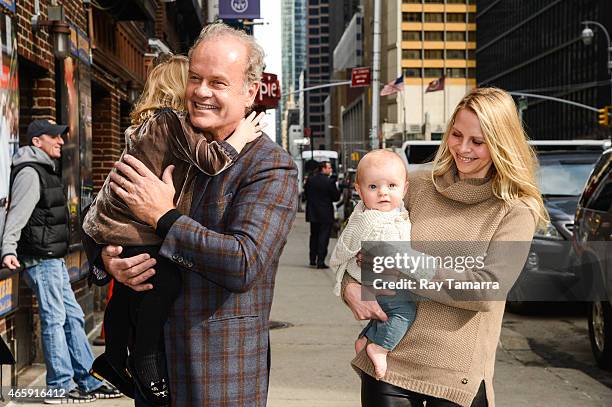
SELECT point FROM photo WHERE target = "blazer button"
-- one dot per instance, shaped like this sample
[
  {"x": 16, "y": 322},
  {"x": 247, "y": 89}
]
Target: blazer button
[
  {"x": 190, "y": 264},
  {"x": 174, "y": 256},
  {"x": 464, "y": 380}
]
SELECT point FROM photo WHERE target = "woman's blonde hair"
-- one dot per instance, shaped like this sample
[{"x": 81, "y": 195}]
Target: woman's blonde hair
[
  {"x": 514, "y": 161},
  {"x": 165, "y": 87}
]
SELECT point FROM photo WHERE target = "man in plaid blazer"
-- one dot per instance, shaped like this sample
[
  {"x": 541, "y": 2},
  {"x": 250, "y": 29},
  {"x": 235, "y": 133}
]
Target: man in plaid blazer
[{"x": 228, "y": 247}]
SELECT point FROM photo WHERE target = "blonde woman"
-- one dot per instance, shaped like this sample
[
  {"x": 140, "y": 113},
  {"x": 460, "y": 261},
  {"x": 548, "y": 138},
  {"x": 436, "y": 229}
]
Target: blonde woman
[
  {"x": 160, "y": 135},
  {"x": 482, "y": 191}
]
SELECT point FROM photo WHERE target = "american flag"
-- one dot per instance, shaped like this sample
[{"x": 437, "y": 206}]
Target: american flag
[
  {"x": 394, "y": 86},
  {"x": 436, "y": 85}
]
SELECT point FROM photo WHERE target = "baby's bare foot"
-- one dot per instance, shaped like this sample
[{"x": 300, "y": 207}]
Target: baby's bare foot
[
  {"x": 378, "y": 356},
  {"x": 360, "y": 344}
]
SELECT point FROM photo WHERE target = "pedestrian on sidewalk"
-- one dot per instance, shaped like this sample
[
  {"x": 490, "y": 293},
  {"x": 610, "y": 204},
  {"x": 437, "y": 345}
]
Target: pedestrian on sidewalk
[
  {"x": 482, "y": 191},
  {"x": 320, "y": 192},
  {"x": 36, "y": 235},
  {"x": 227, "y": 249}
]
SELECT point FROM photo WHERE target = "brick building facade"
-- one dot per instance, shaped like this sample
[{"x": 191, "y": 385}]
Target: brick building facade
[{"x": 111, "y": 47}]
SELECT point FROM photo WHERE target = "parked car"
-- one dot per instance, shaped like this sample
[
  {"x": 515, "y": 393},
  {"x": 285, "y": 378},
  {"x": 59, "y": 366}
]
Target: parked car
[
  {"x": 592, "y": 244},
  {"x": 549, "y": 274}
]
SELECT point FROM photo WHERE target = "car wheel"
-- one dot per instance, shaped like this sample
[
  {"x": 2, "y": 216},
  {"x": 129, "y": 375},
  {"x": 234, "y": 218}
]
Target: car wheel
[{"x": 600, "y": 333}]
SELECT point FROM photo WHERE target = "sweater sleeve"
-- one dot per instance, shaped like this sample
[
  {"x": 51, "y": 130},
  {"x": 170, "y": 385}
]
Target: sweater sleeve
[
  {"x": 503, "y": 263},
  {"x": 191, "y": 146},
  {"x": 25, "y": 193}
]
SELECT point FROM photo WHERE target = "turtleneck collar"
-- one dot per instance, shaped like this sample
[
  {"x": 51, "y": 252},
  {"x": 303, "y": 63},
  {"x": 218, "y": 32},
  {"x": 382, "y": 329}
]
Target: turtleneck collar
[{"x": 468, "y": 191}]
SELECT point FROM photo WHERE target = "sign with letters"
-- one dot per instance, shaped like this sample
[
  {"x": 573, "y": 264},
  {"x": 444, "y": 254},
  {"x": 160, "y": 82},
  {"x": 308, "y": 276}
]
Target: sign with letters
[
  {"x": 238, "y": 9},
  {"x": 269, "y": 91}
]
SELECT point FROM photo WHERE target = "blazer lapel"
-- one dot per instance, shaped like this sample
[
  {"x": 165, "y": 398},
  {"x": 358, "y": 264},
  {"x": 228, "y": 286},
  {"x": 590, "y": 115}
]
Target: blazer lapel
[{"x": 201, "y": 182}]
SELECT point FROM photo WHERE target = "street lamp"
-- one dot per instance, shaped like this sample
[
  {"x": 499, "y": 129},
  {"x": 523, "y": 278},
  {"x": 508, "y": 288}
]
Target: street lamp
[{"x": 587, "y": 38}]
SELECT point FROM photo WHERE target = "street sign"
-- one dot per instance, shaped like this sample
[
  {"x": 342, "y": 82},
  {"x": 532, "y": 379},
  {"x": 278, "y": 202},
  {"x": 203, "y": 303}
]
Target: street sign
[
  {"x": 269, "y": 91},
  {"x": 360, "y": 77}
]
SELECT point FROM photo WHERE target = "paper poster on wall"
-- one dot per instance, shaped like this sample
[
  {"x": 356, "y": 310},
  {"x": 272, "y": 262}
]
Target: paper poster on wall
[
  {"x": 9, "y": 109},
  {"x": 71, "y": 150}
]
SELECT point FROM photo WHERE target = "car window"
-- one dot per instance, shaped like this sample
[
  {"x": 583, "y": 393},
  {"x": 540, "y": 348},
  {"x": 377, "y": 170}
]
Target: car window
[
  {"x": 603, "y": 198},
  {"x": 563, "y": 177}
]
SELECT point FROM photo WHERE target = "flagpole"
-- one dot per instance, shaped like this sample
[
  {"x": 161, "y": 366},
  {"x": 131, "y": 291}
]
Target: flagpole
[
  {"x": 375, "y": 78},
  {"x": 404, "y": 109}
]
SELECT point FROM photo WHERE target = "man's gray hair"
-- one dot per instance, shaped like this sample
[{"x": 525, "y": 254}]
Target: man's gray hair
[{"x": 255, "y": 53}]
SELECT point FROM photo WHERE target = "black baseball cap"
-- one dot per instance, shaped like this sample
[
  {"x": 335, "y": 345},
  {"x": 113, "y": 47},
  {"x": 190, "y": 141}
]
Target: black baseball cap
[{"x": 39, "y": 127}]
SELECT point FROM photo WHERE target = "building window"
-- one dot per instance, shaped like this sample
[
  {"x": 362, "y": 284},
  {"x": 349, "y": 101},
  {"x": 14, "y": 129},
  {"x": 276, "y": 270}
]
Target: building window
[
  {"x": 455, "y": 36},
  {"x": 411, "y": 54},
  {"x": 411, "y": 17},
  {"x": 471, "y": 73},
  {"x": 358, "y": 52},
  {"x": 434, "y": 54},
  {"x": 412, "y": 73},
  {"x": 471, "y": 54},
  {"x": 358, "y": 36},
  {"x": 456, "y": 72},
  {"x": 455, "y": 54},
  {"x": 313, "y": 2},
  {"x": 314, "y": 70},
  {"x": 313, "y": 31},
  {"x": 434, "y": 17},
  {"x": 325, "y": 29},
  {"x": 411, "y": 36},
  {"x": 434, "y": 36},
  {"x": 472, "y": 36},
  {"x": 455, "y": 1},
  {"x": 313, "y": 61},
  {"x": 433, "y": 72},
  {"x": 313, "y": 21},
  {"x": 434, "y": 1},
  {"x": 455, "y": 17},
  {"x": 324, "y": 20},
  {"x": 325, "y": 10}
]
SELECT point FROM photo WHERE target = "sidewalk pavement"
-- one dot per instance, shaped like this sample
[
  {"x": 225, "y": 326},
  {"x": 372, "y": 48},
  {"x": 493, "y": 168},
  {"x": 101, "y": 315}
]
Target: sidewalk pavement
[{"x": 311, "y": 357}]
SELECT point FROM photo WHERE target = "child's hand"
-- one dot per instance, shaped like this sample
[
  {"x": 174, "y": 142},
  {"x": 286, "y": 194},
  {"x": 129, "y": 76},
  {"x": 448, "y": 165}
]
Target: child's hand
[{"x": 250, "y": 127}]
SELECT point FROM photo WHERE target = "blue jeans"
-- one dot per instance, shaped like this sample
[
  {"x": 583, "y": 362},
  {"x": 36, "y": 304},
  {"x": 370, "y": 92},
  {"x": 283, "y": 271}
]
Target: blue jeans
[
  {"x": 401, "y": 310},
  {"x": 65, "y": 347}
]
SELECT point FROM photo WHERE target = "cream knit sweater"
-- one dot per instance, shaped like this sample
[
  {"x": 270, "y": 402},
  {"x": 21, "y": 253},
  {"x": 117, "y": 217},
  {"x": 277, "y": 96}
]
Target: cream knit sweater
[
  {"x": 450, "y": 348},
  {"x": 366, "y": 225}
]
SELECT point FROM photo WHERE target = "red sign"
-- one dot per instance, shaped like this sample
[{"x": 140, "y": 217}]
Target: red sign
[
  {"x": 307, "y": 131},
  {"x": 360, "y": 77},
  {"x": 269, "y": 91}
]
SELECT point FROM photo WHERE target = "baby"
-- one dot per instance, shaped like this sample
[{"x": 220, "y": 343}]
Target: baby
[
  {"x": 381, "y": 182},
  {"x": 160, "y": 135}
]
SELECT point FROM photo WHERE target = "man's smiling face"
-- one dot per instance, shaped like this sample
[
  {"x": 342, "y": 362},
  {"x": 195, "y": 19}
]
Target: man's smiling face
[{"x": 216, "y": 95}]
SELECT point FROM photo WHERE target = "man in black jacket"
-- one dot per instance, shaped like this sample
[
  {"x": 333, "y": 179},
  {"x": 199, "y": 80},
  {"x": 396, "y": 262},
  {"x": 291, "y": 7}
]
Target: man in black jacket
[
  {"x": 320, "y": 192},
  {"x": 36, "y": 232}
]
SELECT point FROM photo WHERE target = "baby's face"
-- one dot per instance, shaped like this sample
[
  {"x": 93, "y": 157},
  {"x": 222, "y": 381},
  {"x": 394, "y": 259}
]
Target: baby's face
[{"x": 382, "y": 187}]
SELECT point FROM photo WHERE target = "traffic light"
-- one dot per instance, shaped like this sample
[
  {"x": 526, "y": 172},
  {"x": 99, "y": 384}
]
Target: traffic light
[{"x": 603, "y": 116}]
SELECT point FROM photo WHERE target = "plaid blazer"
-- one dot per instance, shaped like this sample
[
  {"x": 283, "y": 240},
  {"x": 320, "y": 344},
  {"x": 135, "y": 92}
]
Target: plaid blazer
[{"x": 217, "y": 334}]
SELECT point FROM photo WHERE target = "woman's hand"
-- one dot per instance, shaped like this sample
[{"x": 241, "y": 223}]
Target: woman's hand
[{"x": 357, "y": 297}]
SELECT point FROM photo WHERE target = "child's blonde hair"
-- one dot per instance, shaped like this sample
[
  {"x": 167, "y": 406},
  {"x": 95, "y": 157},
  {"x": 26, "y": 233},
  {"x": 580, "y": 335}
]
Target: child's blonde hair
[{"x": 165, "y": 87}]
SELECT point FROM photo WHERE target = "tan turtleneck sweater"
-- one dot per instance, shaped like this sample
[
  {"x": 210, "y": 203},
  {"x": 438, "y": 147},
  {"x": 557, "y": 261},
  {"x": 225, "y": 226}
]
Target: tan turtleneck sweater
[{"x": 451, "y": 346}]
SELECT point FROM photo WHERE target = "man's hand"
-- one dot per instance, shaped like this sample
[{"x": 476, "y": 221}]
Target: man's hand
[
  {"x": 131, "y": 271},
  {"x": 10, "y": 261},
  {"x": 148, "y": 197},
  {"x": 363, "y": 309}
]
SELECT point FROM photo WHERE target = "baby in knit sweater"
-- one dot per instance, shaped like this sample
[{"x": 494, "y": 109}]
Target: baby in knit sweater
[{"x": 380, "y": 216}]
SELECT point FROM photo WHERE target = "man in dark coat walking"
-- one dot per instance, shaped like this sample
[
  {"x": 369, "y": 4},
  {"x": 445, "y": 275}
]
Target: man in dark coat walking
[{"x": 321, "y": 192}]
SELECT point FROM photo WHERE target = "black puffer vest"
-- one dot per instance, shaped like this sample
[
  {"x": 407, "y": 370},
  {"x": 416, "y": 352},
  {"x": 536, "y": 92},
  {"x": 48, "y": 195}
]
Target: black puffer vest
[{"x": 46, "y": 233}]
